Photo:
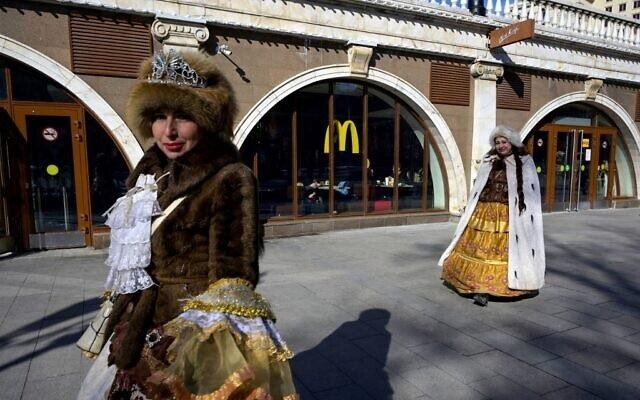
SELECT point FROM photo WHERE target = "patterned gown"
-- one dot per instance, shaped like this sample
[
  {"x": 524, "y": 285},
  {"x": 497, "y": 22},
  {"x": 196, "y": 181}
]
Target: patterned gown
[{"x": 479, "y": 261}]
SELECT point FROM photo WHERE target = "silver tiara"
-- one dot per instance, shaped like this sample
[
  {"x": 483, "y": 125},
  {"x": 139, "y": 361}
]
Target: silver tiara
[{"x": 172, "y": 68}]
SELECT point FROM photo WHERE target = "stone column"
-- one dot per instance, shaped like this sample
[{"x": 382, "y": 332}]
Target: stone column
[
  {"x": 484, "y": 110},
  {"x": 179, "y": 34}
]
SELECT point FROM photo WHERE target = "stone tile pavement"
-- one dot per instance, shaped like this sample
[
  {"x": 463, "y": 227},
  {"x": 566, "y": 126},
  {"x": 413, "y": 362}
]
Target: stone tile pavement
[{"x": 368, "y": 317}]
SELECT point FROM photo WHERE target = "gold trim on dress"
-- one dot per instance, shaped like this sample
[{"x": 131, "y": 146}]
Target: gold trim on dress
[
  {"x": 236, "y": 309},
  {"x": 232, "y": 296}
]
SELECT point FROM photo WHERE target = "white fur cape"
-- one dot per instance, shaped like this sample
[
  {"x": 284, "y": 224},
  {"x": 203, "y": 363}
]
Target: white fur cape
[{"x": 526, "y": 242}]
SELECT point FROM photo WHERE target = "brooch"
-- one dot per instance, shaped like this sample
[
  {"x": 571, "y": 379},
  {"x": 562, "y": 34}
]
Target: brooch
[{"x": 153, "y": 337}]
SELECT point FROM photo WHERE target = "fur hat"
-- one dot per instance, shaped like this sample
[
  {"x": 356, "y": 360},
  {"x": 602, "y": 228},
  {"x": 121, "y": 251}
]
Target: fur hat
[
  {"x": 210, "y": 101},
  {"x": 509, "y": 133}
]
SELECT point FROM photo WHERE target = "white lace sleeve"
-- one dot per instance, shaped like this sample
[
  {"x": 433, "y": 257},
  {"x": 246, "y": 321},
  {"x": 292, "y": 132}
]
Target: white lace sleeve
[{"x": 130, "y": 249}]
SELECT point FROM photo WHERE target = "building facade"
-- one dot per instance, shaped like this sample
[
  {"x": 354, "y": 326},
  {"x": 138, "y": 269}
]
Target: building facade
[
  {"x": 353, "y": 114},
  {"x": 628, "y": 8}
]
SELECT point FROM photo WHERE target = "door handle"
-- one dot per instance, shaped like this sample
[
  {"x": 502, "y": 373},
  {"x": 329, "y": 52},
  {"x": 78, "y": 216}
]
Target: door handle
[{"x": 77, "y": 137}]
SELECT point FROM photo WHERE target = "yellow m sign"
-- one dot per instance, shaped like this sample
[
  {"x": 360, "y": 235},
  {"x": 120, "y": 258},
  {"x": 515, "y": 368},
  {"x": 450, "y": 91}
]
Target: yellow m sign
[{"x": 343, "y": 129}]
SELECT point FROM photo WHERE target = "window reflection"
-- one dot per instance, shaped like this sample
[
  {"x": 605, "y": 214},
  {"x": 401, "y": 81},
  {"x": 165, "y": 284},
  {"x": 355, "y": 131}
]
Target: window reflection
[
  {"x": 29, "y": 85},
  {"x": 381, "y": 123},
  {"x": 3, "y": 85},
  {"x": 313, "y": 163},
  {"x": 624, "y": 184},
  {"x": 346, "y": 146},
  {"x": 435, "y": 185},
  {"x": 579, "y": 115},
  {"x": 108, "y": 170},
  {"x": 411, "y": 164},
  {"x": 270, "y": 142}
]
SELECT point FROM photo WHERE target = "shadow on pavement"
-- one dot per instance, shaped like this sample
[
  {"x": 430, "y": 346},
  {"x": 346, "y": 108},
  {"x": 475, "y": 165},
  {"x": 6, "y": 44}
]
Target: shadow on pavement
[
  {"x": 29, "y": 334},
  {"x": 339, "y": 369},
  {"x": 584, "y": 337}
]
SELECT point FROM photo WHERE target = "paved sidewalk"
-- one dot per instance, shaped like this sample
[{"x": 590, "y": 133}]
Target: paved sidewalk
[{"x": 368, "y": 317}]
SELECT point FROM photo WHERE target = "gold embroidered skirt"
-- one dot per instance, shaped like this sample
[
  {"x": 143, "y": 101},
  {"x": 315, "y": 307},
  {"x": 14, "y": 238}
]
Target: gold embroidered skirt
[
  {"x": 226, "y": 347},
  {"x": 478, "y": 262}
]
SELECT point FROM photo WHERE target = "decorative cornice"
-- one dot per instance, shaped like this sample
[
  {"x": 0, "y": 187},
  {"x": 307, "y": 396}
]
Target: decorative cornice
[
  {"x": 404, "y": 25},
  {"x": 485, "y": 71},
  {"x": 178, "y": 33}
]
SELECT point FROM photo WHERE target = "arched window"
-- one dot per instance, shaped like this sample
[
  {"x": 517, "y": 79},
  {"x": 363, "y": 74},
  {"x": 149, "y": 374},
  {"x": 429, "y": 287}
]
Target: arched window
[{"x": 343, "y": 148}]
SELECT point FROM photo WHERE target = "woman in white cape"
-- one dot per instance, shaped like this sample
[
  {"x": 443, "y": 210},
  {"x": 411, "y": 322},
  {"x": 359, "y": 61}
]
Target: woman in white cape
[{"x": 498, "y": 247}]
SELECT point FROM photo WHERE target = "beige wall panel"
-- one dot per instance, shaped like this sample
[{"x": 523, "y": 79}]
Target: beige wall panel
[
  {"x": 41, "y": 29},
  {"x": 113, "y": 90},
  {"x": 623, "y": 95},
  {"x": 513, "y": 118},
  {"x": 545, "y": 88},
  {"x": 460, "y": 121},
  {"x": 261, "y": 62},
  {"x": 414, "y": 70},
  {"x": 319, "y": 56}
]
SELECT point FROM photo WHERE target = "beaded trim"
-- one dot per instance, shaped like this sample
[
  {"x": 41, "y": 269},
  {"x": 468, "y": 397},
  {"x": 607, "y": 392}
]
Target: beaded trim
[
  {"x": 232, "y": 296},
  {"x": 236, "y": 309}
]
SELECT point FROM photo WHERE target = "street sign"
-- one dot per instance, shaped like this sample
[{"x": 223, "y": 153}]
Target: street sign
[
  {"x": 50, "y": 134},
  {"x": 511, "y": 33}
]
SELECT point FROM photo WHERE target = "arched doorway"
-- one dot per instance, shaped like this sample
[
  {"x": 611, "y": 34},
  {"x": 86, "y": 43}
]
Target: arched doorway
[
  {"x": 582, "y": 161},
  {"x": 68, "y": 170},
  {"x": 344, "y": 147}
]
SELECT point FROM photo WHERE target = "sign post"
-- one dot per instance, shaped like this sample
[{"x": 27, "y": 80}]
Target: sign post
[{"x": 511, "y": 33}]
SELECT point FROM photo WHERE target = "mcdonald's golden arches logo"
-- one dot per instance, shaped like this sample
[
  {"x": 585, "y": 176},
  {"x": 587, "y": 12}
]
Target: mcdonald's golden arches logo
[{"x": 343, "y": 128}]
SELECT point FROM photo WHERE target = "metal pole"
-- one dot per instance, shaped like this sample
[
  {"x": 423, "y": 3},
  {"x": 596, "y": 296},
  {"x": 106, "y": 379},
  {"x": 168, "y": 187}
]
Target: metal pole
[
  {"x": 579, "y": 170},
  {"x": 573, "y": 158},
  {"x": 35, "y": 193},
  {"x": 65, "y": 207}
]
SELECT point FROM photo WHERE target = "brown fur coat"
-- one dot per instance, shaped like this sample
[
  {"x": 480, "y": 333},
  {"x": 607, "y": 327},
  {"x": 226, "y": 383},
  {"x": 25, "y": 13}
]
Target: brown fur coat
[{"x": 212, "y": 234}]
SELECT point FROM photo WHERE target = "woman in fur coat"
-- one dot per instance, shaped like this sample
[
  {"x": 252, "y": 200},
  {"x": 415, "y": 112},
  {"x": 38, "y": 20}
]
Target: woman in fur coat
[
  {"x": 498, "y": 247},
  {"x": 189, "y": 325}
]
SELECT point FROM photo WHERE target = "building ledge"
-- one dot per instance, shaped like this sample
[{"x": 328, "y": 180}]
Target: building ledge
[{"x": 303, "y": 227}]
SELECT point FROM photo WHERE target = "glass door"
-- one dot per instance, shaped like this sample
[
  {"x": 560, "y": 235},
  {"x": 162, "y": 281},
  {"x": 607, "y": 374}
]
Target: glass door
[
  {"x": 57, "y": 176},
  {"x": 584, "y": 157},
  {"x": 564, "y": 164},
  {"x": 604, "y": 166},
  {"x": 538, "y": 146},
  {"x": 573, "y": 168},
  {"x": 13, "y": 229},
  {"x": 7, "y": 242}
]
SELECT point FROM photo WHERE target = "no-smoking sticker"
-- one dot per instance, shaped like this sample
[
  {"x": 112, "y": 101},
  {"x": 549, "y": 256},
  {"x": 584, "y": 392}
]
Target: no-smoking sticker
[{"x": 50, "y": 134}]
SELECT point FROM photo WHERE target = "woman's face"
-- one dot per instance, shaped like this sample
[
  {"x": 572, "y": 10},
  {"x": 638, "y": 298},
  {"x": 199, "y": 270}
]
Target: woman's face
[
  {"x": 175, "y": 133},
  {"x": 503, "y": 146}
]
